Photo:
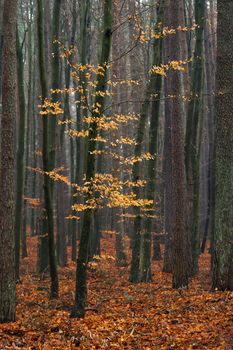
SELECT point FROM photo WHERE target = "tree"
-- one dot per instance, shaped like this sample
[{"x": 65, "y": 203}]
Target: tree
[
  {"x": 145, "y": 273},
  {"x": 20, "y": 155},
  {"x": 167, "y": 264},
  {"x": 121, "y": 257},
  {"x": 7, "y": 163},
  {"x": 78, "y": 169},
  {"x": 47, "y": 160},
  {"x": 223, "y": 158},
  {"x": 55, "y": 80},
  {"x": 153, "y": 87},
  {"x": 1, "y": 46},
  {"x": 173, "y": 16},
  {"x": 194, "y": 123},
  {"x": 82, "y": 260},
  {"x": 210, "y": 62}
]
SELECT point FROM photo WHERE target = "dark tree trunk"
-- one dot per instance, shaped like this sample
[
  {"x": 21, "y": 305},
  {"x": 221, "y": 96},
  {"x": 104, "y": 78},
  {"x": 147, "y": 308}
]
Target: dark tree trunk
[
  {"x": 7, "y": 164},
  {"x": 223, "y": 184},
  {"x": 145, "y": 273},
  {"x": 192, "y": 151},
  {"x": 81, "y": 272},
  {"x": 46, "y": 159},
  {"x": 167, "y": 263},
  {"x": 167, "y": 166},
  {"x": 20, "y": 157},
  {"x": 152, "y": 87},
  {"x": 121, "y": 257},
  {"x": 210, "y": 83},
  {"x": 178, "y": 193},
  {"x": 1, "y": 47}
]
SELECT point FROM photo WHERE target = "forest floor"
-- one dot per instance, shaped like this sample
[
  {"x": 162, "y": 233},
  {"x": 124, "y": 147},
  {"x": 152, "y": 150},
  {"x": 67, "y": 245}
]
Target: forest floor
[{"x": 120, "y": 315}]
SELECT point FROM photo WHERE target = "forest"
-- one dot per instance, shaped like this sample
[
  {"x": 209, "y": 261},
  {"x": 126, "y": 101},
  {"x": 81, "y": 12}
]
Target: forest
[{"x": 116, "y": 174}]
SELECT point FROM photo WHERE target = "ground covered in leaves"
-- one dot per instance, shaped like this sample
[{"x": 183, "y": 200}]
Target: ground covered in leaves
[{"x": 119, "y": 315}]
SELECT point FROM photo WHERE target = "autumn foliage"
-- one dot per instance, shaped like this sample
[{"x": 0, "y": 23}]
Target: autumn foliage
[{"x": 119, "y": 315}]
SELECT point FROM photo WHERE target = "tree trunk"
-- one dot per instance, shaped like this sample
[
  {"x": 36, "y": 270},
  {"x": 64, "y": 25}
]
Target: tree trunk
[
  {"x": 46, "y": 159},
  {"x": 121, "y": 257},
  {"x": 7, "y": 164},
  {"x": 78, "y": 172},
  {"x": 1, "y": 47},
  {"x": 81, "y": 272},
  {"x": 152, "y": 87},
  {"x": 178, "y": 193},
  {"x": 167, "y": 262},
  {"x": 210, "y": 83},
  {"x": 20, "y": 156},
  {"x": 192, "y": 151},
  {"x": 223, "y": 184},
  {"x": 145, "y": 274}
]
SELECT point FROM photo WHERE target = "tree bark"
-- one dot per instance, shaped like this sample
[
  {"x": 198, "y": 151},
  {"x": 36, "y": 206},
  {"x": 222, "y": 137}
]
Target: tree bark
[
  {"x": 192, "y": 151},
  {"x": 46, "y": 159},
  {"x": 178, "y": 193},
  {"x": 223, "y": 160},
  {"x": 7, "y": 161},
  {"x": 145, "y": 273},
  {"x": 136, "y": 239},
  {"x": 20, "y": 156}
]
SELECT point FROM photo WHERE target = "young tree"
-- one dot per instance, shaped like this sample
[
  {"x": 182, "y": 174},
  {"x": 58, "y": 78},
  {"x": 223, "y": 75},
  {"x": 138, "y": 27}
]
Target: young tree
[
  {"x": 121, "y": 257},
  {"x": 223, "y": 169},
  {"x": 82, "y": 260},
  {"x": 78, "y": 169},
  {"x": 153, "y": 87},
  {"x": 7, "y": 164},
  {"x": 145, "y": 273}
]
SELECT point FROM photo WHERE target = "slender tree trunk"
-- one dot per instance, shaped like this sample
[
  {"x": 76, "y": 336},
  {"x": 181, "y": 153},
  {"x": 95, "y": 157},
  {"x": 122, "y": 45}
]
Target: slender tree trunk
[
  {"x": 81, "y": 272},
  {"x": 121, "y": 257},
  {"x": 78, "y": 172},
  {"x": 210, "y": 82},
  {"x": 72, "y": 234},
  {"x": 152, "y": 87},
  {"x": 94, "y": 247},
  {"x": 192, "y": 160},
  {"x": 167, "y": 263},
  {"x": 145, "y": 274},
  {"x": 167, "y": 164},
  {"x": 20, "y": 157},
  {"x": 31, "y": 116},
  {"x": 46, "y": 159},
  {"x": 28, "y": 146},
  {"x": 55, "y": 66}
]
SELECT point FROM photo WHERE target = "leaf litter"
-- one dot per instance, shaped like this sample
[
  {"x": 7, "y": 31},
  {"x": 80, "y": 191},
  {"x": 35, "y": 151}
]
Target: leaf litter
[{"x": 120, "y": 315}]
